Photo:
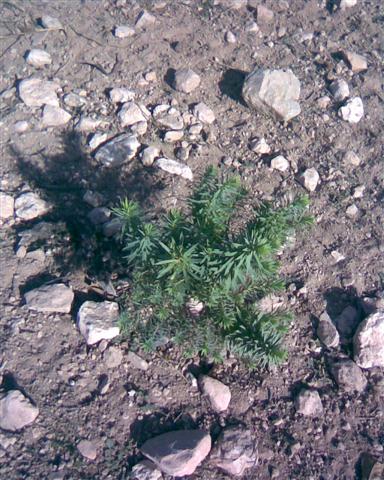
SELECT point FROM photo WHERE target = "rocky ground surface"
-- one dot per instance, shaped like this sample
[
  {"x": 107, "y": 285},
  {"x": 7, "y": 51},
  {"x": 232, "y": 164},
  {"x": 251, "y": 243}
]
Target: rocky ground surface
[{"x": 106, "y": 99}]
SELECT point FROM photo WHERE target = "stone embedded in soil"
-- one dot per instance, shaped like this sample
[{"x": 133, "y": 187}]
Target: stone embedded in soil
[
  {"x": 186, "y": 80},
  {"x": 148, "y": 155},
  {"x": 130, "y": 113},
  {"x": 97, "y": 139},
  {"x": 74, "y": 100},
  {"x": 145, "y": 20},
  {"x": 280, "y": 163},
  {"x": 87, "y": 124},
  {"x": 16, "y": 411},
  {"x": 87, "y": 449},
  {"x": 264, "y": 14},
  {"x": 308, "y": 403},
  {"x": 351, "y": 158},
  {"x": 54, "y": 116},
  {"x": 219, "y": 394},
  {"x": 357, "y": 63},
  {"x": 203, "y": 113},
  {"x": 38, "y": 58},
  {"x": 136, "y": 361},
  {"x": 113, "y": 357},
  {"x": 178, "y": 453},
  {"x": 7, "y": 206},
  {"x": 339, "y": 89},
  {"x": 124, "y": 31},
  {"x": 273, "y": 92},
  {"x": 327, "y": 331},
  {"x": 94, "y": 199},
  {"x": 352, "y": 211},
  {"x": 113, "y": 227},
  {"x": 358, "y": 192},
  {"x": 260, "y": 146},
  {"x": 99, "y": 215},
  {"x": 29, "y": 206},
  {"x": 51, "y": 23},
  {"x": 310, "y": 178},
  {"x": 145, "y": 470},
  {"x": 235, "y": 450},
  {"x": 174, "y": 167},
  {"x": 352, "y": 111},
  {"x": 118, "y": 151},
  {"x": 121, "y": 95},
  {"x": 35, "y": 92},
  {"x": 348, "y": 375},
  {"x": 368, "y": 341},
  {"x": 21, "y": 126},
  {"x": 168, "y": 117},
  {"x": 347, "y": 321},
  {"x": 57, "y": 298},
  {"x": 230, "y": 37},
  {"x": 173, "y": 136},
  {"x": 98, "y": 321}
]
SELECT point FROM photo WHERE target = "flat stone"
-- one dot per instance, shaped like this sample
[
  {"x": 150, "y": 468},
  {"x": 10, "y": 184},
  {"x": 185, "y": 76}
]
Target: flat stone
[
  {"x": 273, "y": 92},
  {"x": 219, "y": 394},
  {"x": 54, "y": 116},
  {"x": 130, "y": 113},
  {"x": 186, "y": 80},
  {"x": 145, "y": 20},
  {"x": 368, "y": 341},
  {"x": 310, "y": 179},
  {"x": 137, "y": 362},
  {"x": 118, "y": 151},
  {"x": 148, "y": 155},
  {"x": 351, "y": 158},
  {"x": 16, "y": 411},
  {"x": 51, "y": 23},
  {"x": 308, "y": 403},
  {"x": 339, "y": 89},
  {"x": 38, "y": 58},
  {"x": 173, "y": 136},
  {"x": 203, "y": 113},
  {"x": 168, "y": 117},
  {"x": 56, "y": 298},
  {"x": 87, "y": 449},
  {"x": 348, "y": 375},
  {"x": 174, "y": 167},
  {"x": 113, "y": 357},
  {"x": 98, "y": 321},
  {"x": 178, "y": 453},
  {"x": 145, "y": 470},
  {"x": 74, "y": 100},
  {"x": 235, "y": 450},
  {"x": 7, "y": 206},
  {"x": 35, "y": 92},
  {"x": 99, "y": 215},
  {"x": 327, "y": 331},
  {"x": 352, "y": 111},
  {"x": 30, "y": 206},
  {"x": 121, "y": 95},
  {"x": 357, "y": 63},
  {"x": 124, "y": 31},
  {"x": 87, "y": 124},
  {"x": 280, "y": 163},
  {"x": 260, "y": 146},
  {"x": 97, "y": 139}
]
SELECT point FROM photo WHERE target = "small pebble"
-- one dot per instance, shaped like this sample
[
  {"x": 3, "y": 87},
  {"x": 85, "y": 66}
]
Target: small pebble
[
  {"x": 352, "y": 111},
  {"x": 38, "y": 58},
  {"x": 352, "y": 211},
  {"x": 124, "y": 31}
]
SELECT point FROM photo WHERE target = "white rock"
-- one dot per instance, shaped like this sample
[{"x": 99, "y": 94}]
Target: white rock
[
  {"x": 38, "y": 58},
  {"x": 308, "y": 403},
  {"x": 353, "y": 110},
  {"x": 352, "y": 211},
  {"x": 358, "y": 192},
  {"x": 139, "y": 128},
  {"x": 148, "y": 155},
  {"x": 87, "y": 449},
  {"x": 219, "y": 394},
  {"x": 57, "y": 298},
  {"x": 118, "y": 150},
  {"x": 137, "y": 362},
  {"x": 348, "y": 375},
  {"x": 87, "y": 124},
  {"x": 97, "y": 139},
  {"x": 350, "y": 158},
  {"x": 310, "y": 178},
  {"x": 339, "y": 89},
  {"x": 174, "y": 167},
  {"x": 357, "y": 63},
  {"x": 54, "y": 116},
  {"x": 145, "y": 470},
  {"x": 230, "y": 37},
  {"x": 274, "y": 92},
  {"x": 74, "y": 100},
  {"x": 145, "y": 20},
  {"x": 29, "y": 206},
  {"x": 98, "y": 321},
  {"x": 7, "y": 206},
  {"x": 337, "y": 256},
  {"x": 259, "y": 146},
  {"x": 203, "y": 113},
  {"x": 168, "y": 117},
  {"x": 343, "y": 4},
  {"x": 252, "y": 27},
  {"x": 124, "y": 31},
  {"x": 186, "y": 80},
  {"x": 16, "y": 411},
  {"x": 131, "y": 113},
  {"x": 113, "y": 357},
  {"x": 51, "y": 23},
  {"x": 368, "y": 342},
  {"x": 121, "y": 95},
  {"x": 173, "y": 136},
  {"x": 21, "y": 126},
  {"x": 35, "y": 92},
  {"x": 280, "y": 163}
]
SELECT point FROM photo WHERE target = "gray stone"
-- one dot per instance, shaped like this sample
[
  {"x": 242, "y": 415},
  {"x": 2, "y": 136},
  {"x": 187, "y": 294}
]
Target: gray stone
[
  {"x": 137, "y": 362},
  {"x": 148, "y": 155},
  {"x": 38, "y": 58},
  {"x": 139, "y": 128},
  {"x": 273, "y": 92},
  {"x": 347, "y": 321},
  {"x": 51, "y": 23},
  {"x": 7, "y": 206},
  {"x": 235, "y": 450},
  {"x": 35, "y": 92},
  {"x": 280, "y": 163},
  {"x": 178, "y": 453},
  {"x": 118, "y": 151},
  {"x": 264, "y": 14},
  {"x": 21, "y": 126},
  {"x": 113, "y": 227},
  {"x": 352, "y": 111},
  {"x": 259, "y": 146},
  {"x": 16, "y": 411},
  {"x": 87, "y": 449},
  {"x": 30, "y": 206},
  {"x": 310, "y": 178},
  {"x": 87, "y": 124},
  {"x": 113, "y": 357},
  {"x": 308, "y": 403},
  {"x": 131, "y": 113},
  {"x": 94, "y": 199},
  {"x": 348, "y": 375},
  {"x": 219, "y": 394},
  {"x": 57, "y": 298},
  {"x": 173, "y": 136},
  {"x": 351, "y": 158},
  {"x": 74, "y": 100},
  {"x": 99, "y": 215},
  {"x": 97, "y": 139},
  {"x": 54, "y": 116},
  {"x": 357, "y": 63},
  {"x": 327, "y": 331},
  {"x": 368, "y": 342},
  {"x": 203, "y": 113},
  {"x": 121, "y": 95},
  {"x": 339, "y": 89},
  {"x": 98, "y": 321},
  {"x": 124, "y": 31},
  {"x": 145, "y": 470},
  {"x": 145, "y": 20},
  {"x": 174, "y": 167},
  {"x": 186, "y": 80},
  {"x": 168, "y": 117}
]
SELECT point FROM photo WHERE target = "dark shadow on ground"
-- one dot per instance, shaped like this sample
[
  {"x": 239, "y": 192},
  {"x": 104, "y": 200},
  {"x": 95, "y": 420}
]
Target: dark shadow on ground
[{"x": 231, "y": 84}]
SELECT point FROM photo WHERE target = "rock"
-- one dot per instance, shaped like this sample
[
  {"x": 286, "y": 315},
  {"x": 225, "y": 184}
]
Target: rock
[
  {"x": 130, "y": 113},
  {"x": 56, "y": 298},
  {"x": 310, "y": 178},
  {"x": 113, "y": 227},
  {"x": 87, "y": 449},
  {"x": 339, "y": 90},
  {"x": 347, "y": 321},
  {"x": 124, "y": 31},
  {"x": 97, "y": 139},
  {"x": 343, "y": 4},
  {"x": 358, "y": 192},
  {"x": 35, "y": 92},
  {"x": 371, "y": 304},
  {"x": 352, "y": 211},
  {"x": 235, "y": 450},
  {"x": 219, "y": 394},
  {"x": 99, "y": 215},
  {"x": 21, "y": 126},
  {"x": 259, "y": 146},
  {"x": 94, "y": 199},
  {"x": 30, "y": 206},
  {"x": 352, "y": 111},
  {"x": 151, "y": 76},
  {"x": 74, "y": 100},
  {"x": 88, "y": 124},
  {"x": 194, "y": 308},
  {"x": 139, "y": 128},
  {"x": 203, "y": 113},
  {"x": 357, "y": 63},
  {"x": 173, "y": 136},
  {"x": 308, "y": 403},
  {"x": 54, "y": 116},
  {"x": 113, "y": 357},
  {"x": 145, "y": 20},
  {"x": 7, "y": 206},
  {"x": 145, "y": 470},
  {"x": 148, "y": 155},
  {"x": 280, "y": 163},
  {"x": 98, "y": 321},
  {"x": 264, "y": 14},
  {"x": 16, "y": 411},
  {"x": 348, "y": 375},
  {"x": 118, "y": 151},
  {"x": 137, "y": 362},
  {"x": 38, "y": 58},
  {"x": 168, "y": 117},
  {"x": 121, "y": 95},
  {"x": 337, "y": 256},
  {"x": 51, "y": 23},
  {"x": 178, "y": 453},
  {"x": 350, "y": 158},
  {"x": 252, "y": 27},
  {"x": 174, "y": 167},
  {"x": 273, "y": 92},
  {"x": 327, "y": 331},
  {"x": 323, "y": 102},
  {"x": 368, "y": 341},
  {"x": 230, "y": 37},
  {"x": 186, "y": 80}
]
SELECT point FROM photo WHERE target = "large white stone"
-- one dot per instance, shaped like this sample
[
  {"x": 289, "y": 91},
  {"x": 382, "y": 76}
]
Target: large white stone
[
  {"x": 16, "y": 411},
  {"x": 203, "y": 113},
  {"x": 130, "y": 113},
  {"x": 310, "y": 178},
  {"x": 98, "y": 321},
  {"x": 368, "y": 341},
  {"x": 57, "y": 298},
  {"x": 35, "y": 92},
  {"x": 54, "y": 116},
  {"x": 38, "y": 58},
  {"x": 174, "y": 167},
  {"x": 186, "y": 80},
  {"x": 29, "y": 206},
  {"x": 352, "y": 111},
  {"x": 118, "y": 150},
  {"x": 121, "y": 95}
]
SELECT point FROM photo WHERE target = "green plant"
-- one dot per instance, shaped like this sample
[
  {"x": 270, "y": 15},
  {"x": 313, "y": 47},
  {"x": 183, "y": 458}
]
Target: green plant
[{"x": 197, "y": 278}]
